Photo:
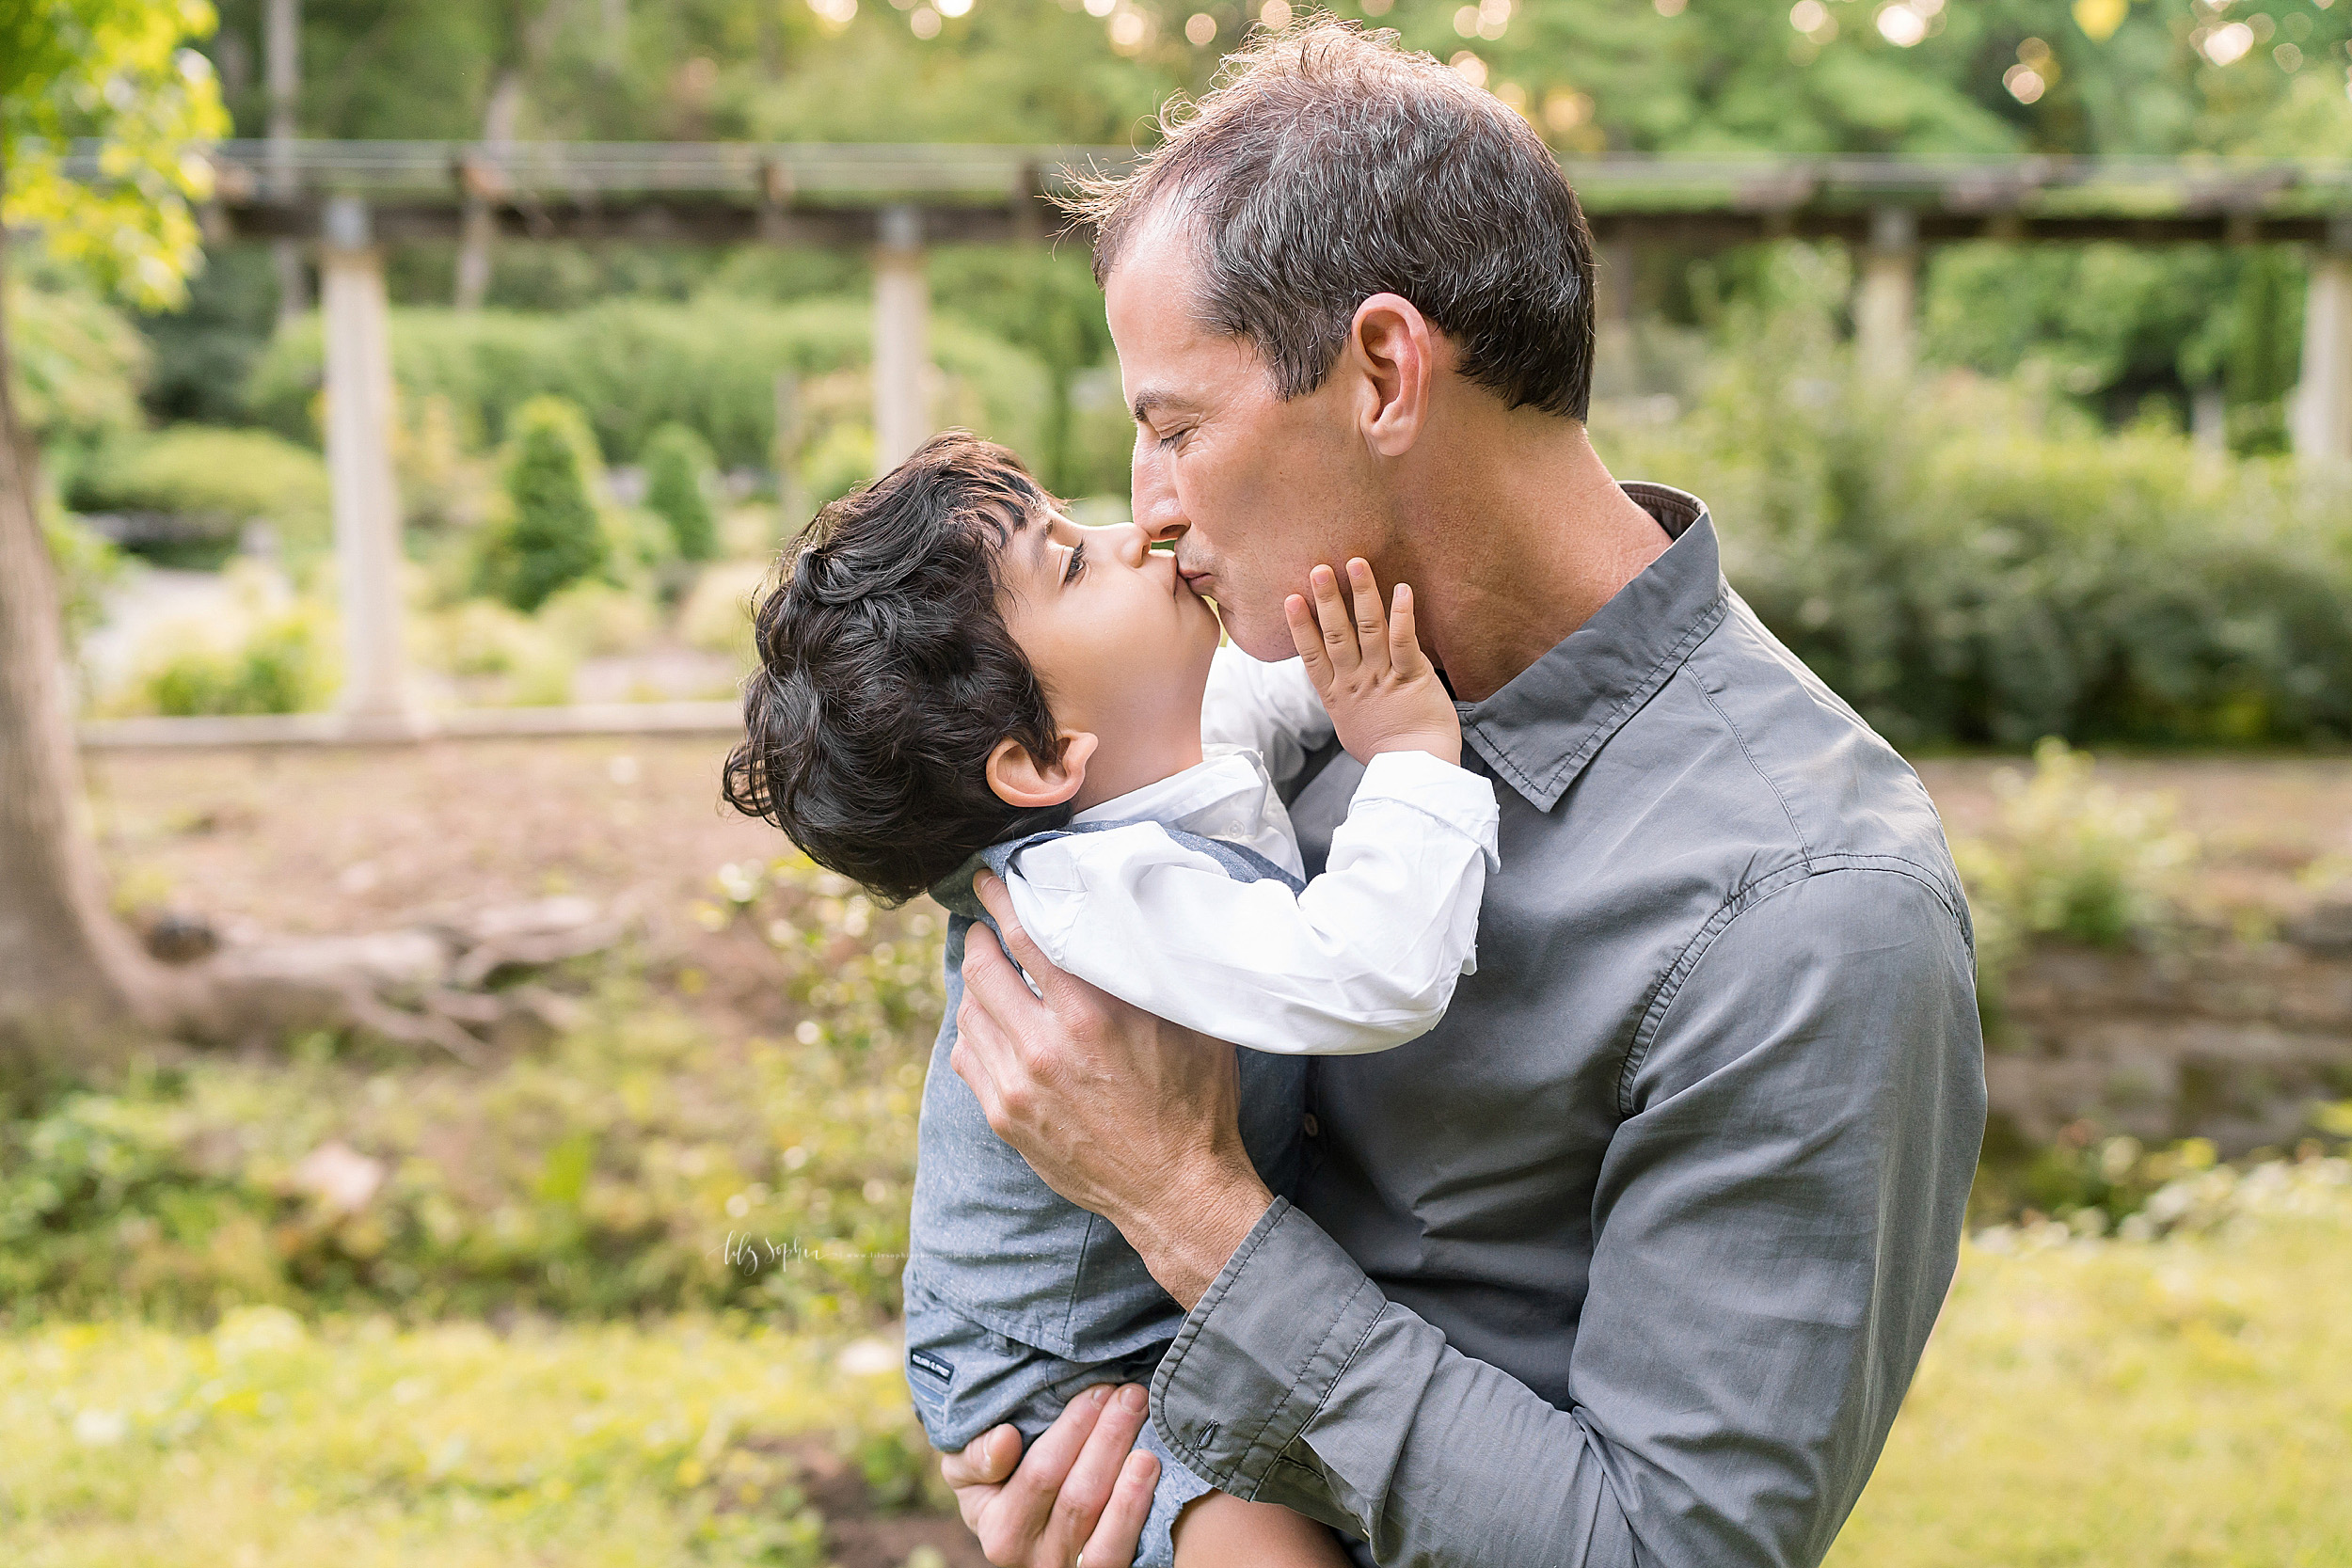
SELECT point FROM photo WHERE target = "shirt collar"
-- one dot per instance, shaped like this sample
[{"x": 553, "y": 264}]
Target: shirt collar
[
  {"x": 1226, "y": 794},
  {"x": 1540, "y": 730}
]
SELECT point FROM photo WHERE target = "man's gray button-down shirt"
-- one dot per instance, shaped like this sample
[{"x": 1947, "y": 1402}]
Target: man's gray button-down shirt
[{"x": 1630, "y": 1259}]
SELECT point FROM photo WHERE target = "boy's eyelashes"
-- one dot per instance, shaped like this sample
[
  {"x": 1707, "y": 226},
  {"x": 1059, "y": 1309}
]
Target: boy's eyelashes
[{"x": 1076, "y": 564}]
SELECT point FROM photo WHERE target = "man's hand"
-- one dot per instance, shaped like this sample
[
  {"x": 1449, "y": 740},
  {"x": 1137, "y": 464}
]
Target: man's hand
[
  {"x": 1136, "y": 1120},
  {"x": 1122, "y": 1113},
  {"x": 1078, "y": 1487},
  {"x": 1383, "y": 692}
]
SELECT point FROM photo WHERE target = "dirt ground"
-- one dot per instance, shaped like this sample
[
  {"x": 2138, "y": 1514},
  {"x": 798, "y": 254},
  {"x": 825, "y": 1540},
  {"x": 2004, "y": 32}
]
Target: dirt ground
[
  {"x": 327, "y": 840},
  {"x": 330, "y": 840}
]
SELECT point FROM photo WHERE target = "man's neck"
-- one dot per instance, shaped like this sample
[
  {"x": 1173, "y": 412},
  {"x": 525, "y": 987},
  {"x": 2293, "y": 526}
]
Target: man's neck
[{"x": 1519, "y": 537}]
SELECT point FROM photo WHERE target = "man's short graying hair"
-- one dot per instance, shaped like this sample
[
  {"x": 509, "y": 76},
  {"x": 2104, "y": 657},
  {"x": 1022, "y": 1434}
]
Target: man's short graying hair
[{"x": 1328, "y": 164}]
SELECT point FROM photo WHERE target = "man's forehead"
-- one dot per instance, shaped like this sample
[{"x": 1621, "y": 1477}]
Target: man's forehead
[{"x": 1150, "y": 292}]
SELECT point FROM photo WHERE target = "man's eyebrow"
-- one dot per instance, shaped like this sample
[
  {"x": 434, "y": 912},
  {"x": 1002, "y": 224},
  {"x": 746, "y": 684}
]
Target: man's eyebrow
[{"x": 1150, "y": 400}]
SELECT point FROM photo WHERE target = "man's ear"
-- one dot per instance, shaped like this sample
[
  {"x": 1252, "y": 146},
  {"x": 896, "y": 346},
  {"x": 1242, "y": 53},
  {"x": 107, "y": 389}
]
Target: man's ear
[
  {"x": 1396, "y": 350},
  {"x": 1021, "y": 780}
]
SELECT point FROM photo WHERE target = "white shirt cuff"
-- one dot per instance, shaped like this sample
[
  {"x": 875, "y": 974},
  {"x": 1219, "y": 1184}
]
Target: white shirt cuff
[{"x": 1455, "y": 796}]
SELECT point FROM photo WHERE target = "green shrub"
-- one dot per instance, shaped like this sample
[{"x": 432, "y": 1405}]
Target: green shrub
[
  {"x": 283, "y": 661},
  {"x": 596, "y": 619},
  {"x": 218, "y": 480},
  {"x": 636, "y": 365},
  {"x": 550, "y": 534},
  {"x": 1973, "y": 562},
  {"x": 2069, "y": 858},
  {"x": 716, "y": 615},
  {"x": 86, "y": 563},
  {"x": 838, "y": 464},
  {"x": 679, "y": 477}
]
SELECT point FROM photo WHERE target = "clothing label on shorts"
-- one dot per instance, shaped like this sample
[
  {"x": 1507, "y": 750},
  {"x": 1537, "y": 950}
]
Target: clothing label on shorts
[{"x": 932, "y": 1365}]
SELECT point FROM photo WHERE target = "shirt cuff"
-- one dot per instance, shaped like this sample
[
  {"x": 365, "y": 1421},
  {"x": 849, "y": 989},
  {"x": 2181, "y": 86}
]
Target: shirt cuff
[
  {"x": 1261, "y": 1353},
  {"x": 1455, "y": 796}
]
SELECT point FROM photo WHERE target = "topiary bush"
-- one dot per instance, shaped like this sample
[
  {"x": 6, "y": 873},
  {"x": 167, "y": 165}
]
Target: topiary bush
[
  {"x": 548, "y": 533},
  {"x": 678, "y": 476}
]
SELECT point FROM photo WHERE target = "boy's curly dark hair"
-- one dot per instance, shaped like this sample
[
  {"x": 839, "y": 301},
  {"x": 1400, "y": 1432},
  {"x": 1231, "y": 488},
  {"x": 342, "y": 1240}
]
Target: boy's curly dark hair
[{"x": 888, "y": 675}]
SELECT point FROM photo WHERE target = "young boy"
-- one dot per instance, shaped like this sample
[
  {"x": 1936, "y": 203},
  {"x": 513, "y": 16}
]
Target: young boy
[{"x": 956, "y": 676}]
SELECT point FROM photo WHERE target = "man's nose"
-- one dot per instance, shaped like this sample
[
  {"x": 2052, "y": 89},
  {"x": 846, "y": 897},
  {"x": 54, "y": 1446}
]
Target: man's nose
[{"x": 1157, "y": 513}]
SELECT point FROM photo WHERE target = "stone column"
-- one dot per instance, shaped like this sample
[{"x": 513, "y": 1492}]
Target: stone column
[
  {"x": 283, "y": 69},
  {"x": 376, "y": 699},
  {"x": 903, "y": 418},
  {"x": 2321, "y": 414},
  {"x": 1887, "y": 299}
]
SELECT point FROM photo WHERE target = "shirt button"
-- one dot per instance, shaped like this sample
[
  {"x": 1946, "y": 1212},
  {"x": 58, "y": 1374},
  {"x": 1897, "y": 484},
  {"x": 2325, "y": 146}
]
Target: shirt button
[{"x": 1314, "y": 1127}]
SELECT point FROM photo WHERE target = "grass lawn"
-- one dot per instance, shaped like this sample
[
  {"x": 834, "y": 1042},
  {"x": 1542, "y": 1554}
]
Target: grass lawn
[
  {"x": 2183, "y": 1402},
  {"x": 267, "y": 1443},
  {"x": 2171, "y": 1404}
]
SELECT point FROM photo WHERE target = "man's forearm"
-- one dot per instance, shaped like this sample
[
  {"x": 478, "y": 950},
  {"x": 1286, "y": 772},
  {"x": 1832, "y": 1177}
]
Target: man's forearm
[{"x": 1298, "y": 1382}]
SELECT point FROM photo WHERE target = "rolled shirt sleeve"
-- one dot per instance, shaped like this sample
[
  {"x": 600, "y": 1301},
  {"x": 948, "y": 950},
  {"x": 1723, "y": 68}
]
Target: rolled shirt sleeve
[
  {"x": 1776, "y": 1221},
  {"x": 1364, "y": 959}
]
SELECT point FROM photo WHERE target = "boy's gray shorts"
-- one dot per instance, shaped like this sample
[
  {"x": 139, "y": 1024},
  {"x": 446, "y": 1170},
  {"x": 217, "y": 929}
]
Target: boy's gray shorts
[{"x": 967, "y": 1379}]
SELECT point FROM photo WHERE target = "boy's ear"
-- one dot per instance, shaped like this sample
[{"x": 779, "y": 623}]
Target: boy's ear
[{"x": 1021, "y": 780}]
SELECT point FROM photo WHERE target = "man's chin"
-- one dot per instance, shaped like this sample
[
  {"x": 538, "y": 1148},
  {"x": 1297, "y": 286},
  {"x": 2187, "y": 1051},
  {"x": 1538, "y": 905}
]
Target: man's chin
[{"x": 1268, "y": 641}]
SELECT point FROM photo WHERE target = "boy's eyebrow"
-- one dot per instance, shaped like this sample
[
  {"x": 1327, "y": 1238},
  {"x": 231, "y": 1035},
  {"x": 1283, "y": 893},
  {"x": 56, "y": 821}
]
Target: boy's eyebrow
[{"x": 1039, "y": 539}]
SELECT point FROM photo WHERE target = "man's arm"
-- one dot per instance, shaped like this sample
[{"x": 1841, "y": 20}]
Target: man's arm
[{"x": 1776, "y": 1224}]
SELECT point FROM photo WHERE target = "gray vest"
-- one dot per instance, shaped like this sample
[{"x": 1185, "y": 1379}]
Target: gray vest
[{"x": 991, "y": 1241}]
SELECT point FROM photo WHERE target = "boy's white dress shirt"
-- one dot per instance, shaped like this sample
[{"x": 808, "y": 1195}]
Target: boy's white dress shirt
[{"x": 1364, "y": 959}]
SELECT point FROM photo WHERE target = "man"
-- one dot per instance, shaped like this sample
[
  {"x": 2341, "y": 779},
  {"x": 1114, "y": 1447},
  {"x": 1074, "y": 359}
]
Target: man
[{"x": 1631, "y": 1258}]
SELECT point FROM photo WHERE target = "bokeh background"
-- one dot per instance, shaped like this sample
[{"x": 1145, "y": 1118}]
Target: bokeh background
[{"x": 574, "y": 1237}]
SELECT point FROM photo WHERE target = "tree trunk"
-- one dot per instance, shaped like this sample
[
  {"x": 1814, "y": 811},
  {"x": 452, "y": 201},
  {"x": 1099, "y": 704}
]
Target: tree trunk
[{"x": 76, "y": 988}]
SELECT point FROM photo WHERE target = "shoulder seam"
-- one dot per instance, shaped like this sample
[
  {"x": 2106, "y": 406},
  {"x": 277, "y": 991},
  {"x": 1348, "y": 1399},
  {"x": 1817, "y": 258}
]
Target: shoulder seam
[
  {"x": 1804, "y": 851},
  {"x": 1747, "y": 896}
]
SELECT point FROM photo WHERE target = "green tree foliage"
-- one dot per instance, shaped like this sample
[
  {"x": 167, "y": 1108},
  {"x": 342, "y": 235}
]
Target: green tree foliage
[
  {"x": 116, "y": 70},
  {"x": 551, "y": 535},
  {"x": 678, "y": 476},
  {"x": 75, "y": 363}
]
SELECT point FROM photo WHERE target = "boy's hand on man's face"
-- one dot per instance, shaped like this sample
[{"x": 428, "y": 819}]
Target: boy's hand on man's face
[{"x": 1367, "y": 665}]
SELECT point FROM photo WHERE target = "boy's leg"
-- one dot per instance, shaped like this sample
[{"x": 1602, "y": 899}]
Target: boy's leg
[{"x": 1219, "y": 1530}]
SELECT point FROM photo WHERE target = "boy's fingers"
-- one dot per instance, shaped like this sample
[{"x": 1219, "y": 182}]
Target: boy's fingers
[
  {"x": 1307, "y": 639},
  {"x": 1339, "y": 631},
  {"x": 1404, "y": 652},
  {"x": 1372, "y": 626},
  {"x": 1114, "y": 1542}
]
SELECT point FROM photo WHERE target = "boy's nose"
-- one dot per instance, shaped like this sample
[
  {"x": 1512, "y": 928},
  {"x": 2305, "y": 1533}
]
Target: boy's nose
[{"x": 1129, "y": 543}]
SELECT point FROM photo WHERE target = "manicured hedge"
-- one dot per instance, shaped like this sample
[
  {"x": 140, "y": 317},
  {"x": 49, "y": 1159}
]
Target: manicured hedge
[{"x": 636, "y": 365}]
